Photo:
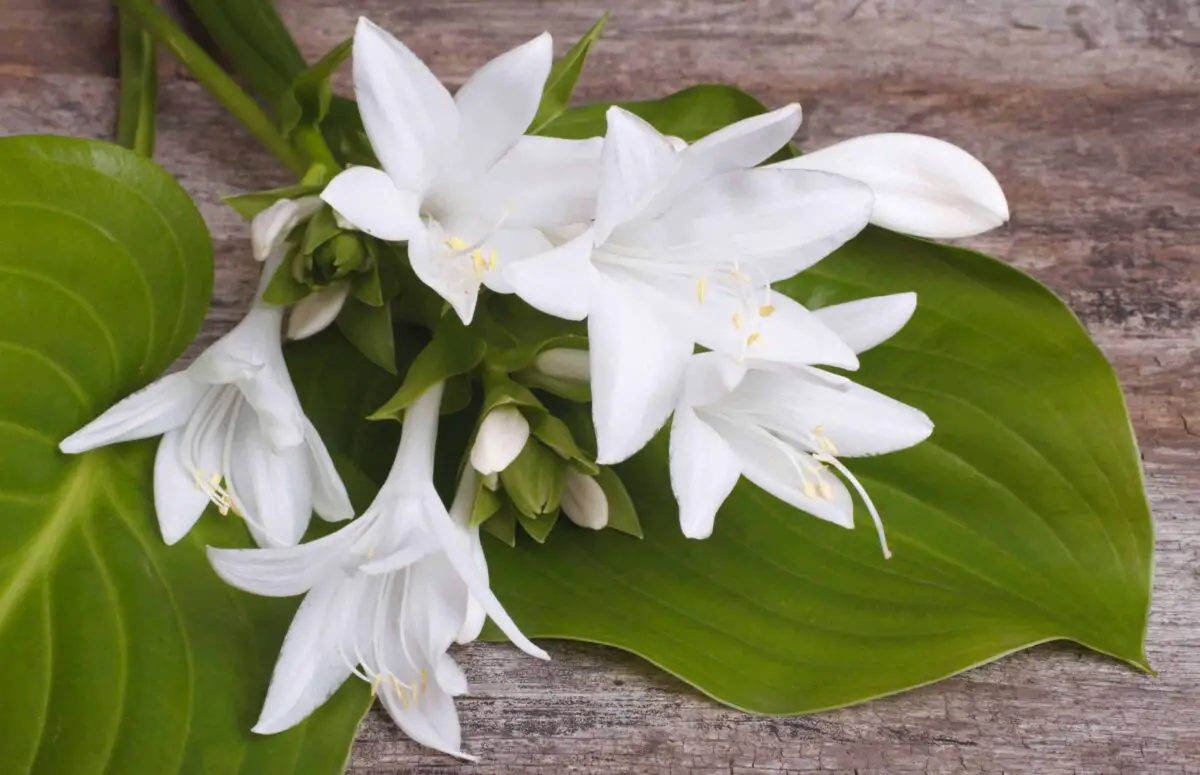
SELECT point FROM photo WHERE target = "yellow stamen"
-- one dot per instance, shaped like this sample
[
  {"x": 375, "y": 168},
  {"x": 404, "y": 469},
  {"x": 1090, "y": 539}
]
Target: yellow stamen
[
  {"x": 457, "y": 243},
  {"x": 753, "y": 338},
  {"x": 493, "y": 259},
  {"x": 737, "y": 320},
  {"x": 375, "y": 685},
  {"x": 766, "y": 310},
  {"x": 701, "y": 287}
]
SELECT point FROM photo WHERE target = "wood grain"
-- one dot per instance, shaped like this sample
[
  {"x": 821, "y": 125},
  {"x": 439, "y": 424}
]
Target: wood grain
[{"x": 1088, "y": 111}]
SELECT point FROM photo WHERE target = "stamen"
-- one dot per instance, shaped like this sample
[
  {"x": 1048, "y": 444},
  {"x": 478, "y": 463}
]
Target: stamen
[
  {"x": 457, "y": 244},
  {"x": 766, "y": 310},
  {"x": 862, "y": 493},
  {"x": 753, "y": 339},
  {"x": 737, "y": 320},
  {"x": 701, "y": 287}
]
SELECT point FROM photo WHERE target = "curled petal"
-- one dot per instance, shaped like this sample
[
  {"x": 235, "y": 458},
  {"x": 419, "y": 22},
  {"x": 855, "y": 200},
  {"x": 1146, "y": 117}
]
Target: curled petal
[
  {"x": 703, "y": 472},
  {"x": 369, "y": 200},
  {"x": 864, "y": 323},
  {"x": 162, "y": 405},
  {"x": 315, "y": 312},
  {"x": 272, "y": 226}
]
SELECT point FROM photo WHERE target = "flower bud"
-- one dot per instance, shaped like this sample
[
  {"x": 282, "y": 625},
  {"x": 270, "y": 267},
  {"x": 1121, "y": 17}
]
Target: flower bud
[
  {"x": 502, "y": 436},
  {"x": 584, "y": 501},
  {"x": 564, "y": 363}
]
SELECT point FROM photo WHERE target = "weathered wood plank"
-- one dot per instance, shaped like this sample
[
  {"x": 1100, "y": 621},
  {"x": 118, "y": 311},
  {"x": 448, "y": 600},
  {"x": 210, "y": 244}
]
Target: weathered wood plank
[{"x": 1088, "y": 113}]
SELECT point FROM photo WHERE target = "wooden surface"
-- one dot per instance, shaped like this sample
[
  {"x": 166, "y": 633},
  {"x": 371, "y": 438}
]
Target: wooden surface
[{"x": 1088, "y": 112}]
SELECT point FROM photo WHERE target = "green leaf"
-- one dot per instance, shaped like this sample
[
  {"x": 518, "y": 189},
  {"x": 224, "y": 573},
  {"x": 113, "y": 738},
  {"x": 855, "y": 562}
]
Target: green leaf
[
  {"x": 251, "y": 34},
  {"x": 487, "y": 503},
  {"x": 321, "y": 228},
  {"x": 1021, "y": 520},
  {"x": 370, "y": 330},
  {"x": 563, "y": 76},
  {"x": 253, "y": 203},
  {"x": 454, "y": 349},
  {"x": 283, "y": 288},
  {"x": 689, "y": 114},
  {"x": 502, "y": 525},
  {"x": 622, "y": 514},
  {"x": 117, "y": 653},
  {"x": 307, "y": 100},
  {"x": 555, "y": 434},
  {"x": 538, "y": 528},
  {"x": 139, "y": 87}
]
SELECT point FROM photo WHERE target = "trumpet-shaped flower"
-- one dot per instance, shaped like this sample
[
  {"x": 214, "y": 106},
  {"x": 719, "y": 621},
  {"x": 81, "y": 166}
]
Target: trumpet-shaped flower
[
  {"x": 385, "y": 596},
  {"x": 922, "y": 185},
  {"x": 686, "y": 243},
  {"x": 233, "y": 432},
  {"x": 786, "y": 428},
  {"x": 460, "y": 181}
]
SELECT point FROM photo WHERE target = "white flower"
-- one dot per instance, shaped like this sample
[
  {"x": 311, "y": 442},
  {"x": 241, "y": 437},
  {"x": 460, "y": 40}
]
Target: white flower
[
  {"x": 686, "y": 242},
  {"x": 460, "y": 183},
  {"x": 316, "y": 311},
  {"x": 233, "y": 430},
  {"x": 271, "y": 227},
  {"x": 564, "y": 363},
  {"x": 785, "y": 428},
  {"x": 386, "y": 597},
  {"x": 922, "y": 185},
  {"x": 584, "y": 501},
  {"x": 501, "y": 437}
]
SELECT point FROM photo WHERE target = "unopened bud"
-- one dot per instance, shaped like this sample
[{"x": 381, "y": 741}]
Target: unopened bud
[
  {"x": 584, "y": 501},
  {"x": 564, "y": 363},
  {"x": 502, "y": 436}
]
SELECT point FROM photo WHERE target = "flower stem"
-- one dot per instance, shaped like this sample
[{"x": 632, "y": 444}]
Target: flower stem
[
  {"x": 139, "y": 88},
  {"x": 216, "y": 80}
]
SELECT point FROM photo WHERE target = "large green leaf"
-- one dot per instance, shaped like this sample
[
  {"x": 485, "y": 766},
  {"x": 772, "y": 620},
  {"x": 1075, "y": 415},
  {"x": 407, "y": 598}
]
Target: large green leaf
[
  {"x": 251, "y": 34},
  {"x": 117, "y": 654}
]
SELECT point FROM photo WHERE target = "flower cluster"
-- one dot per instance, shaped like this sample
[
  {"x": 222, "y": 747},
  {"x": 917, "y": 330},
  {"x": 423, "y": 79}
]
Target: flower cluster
[{"x": 668, "y": 251}]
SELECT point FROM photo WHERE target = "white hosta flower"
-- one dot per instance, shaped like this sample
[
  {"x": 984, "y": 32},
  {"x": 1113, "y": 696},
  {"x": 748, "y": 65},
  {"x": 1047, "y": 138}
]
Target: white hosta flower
[
  {"x": 501, "y": 437},
  {"x": 271, "y": 227},
  {"x": 316, "y": 311},
  {"x": 685, "y": 245},
  {"x": 564, "y": 363},
  {"x": 385, "y": 597},
  {"x": 786, "y": 428},
  {"x": 460, "y": 183},
  {"x": 922, "y": 185},
  {"x": 584, "y": 501},
  {"x": 233, "y": 431}
]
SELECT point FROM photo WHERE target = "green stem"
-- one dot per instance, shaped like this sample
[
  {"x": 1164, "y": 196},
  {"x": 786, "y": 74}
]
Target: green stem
[
  {"x": 216, "y": 80},
  {"x": 139, "y": 88},
  {"x": 312, "y": 142}
]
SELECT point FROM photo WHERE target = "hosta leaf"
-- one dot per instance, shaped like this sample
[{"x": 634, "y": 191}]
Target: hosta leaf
[
  {"x": 560, "y": 84},
  {"x": 251, "y": 34},
  {"x": 117, "y": 653}
]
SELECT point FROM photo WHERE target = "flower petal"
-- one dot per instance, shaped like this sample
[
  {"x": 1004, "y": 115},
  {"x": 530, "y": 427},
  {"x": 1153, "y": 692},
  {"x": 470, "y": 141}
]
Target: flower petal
[
  {"x": 542, "y": 182},
  {"x": 501, "y": 437},
  {"x": 864, "y": 323},
  {"x": 584, "y": 501},
  {"x": 460, "y": 514},
  {"x": 637, "y": 362},
  {"x": 178, "y": 502},
  {"x": 510, "y": 246},
  {"x": 270, "y": 488},
  {"x": 162, "y": 405},
  {"x": 288, "y": 571},
  {"x": 315, "y": 312},
  {"x": 739, "y": 146},
  {"x": 923, "y": 186},
  {"x": 765, "y": 223},
  {"x": 557, "y": 282},
  {"x": 310, "y": 667},
  {"x": 765, "y": 463},
  {"x": 703, "y": 472},
  {"x": 271, "y": 227},
  {"x": 498, "y": 102},
  {"x": 408, "y": 115},
  {"x": 636, "y": 163},
  {"x": 452, "y": 277},
  {"x": 329, "y": 497},
  {"x": 368, "y": 199}
]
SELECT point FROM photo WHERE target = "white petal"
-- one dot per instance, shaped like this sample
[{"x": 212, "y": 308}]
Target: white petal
[
  {"x": 557, "y": 282},
  {"x": 864, "y": 323},
  {"x": 271, "y": 489},
  {"x": 584, "y": 501},
  {"x": 564, "y": 363},
  {"x": 703, "y": 472},
  {"x": 637, "y": 362},
  {"x": 460, "y": 513},
  {"x": 502, "y": 436},
  {"x": 409, "y": 116},
  {"x": 329, "y": 497},
  {"x": 368, "y": 199},
  {"x": 771, "y": 223},
  {"x": 310, "y": 668},
  {"x": 498, "y": 102},
  {"x": 542, "y": 182},
  {"x": 506, "y": 247},
  {"x": 452, "y": 277},
  {"x": 315, "y": 312},
  {"x": 432, "y": 721},
  {"x": 739, "y": 146},
  {"x": 709, "y": 378},
  {"x": 457, "y": 545},
  {"x": 858, "y": 420},
  {"x": 288, "y": 571},
  {"x": 162, "y": 405},
  {"x": 271, "y": 227},
  {"x": 764, "y": 462},
  {"x": 923, "y": 186},
  {"x": 178, "y": 502},
  {"x": 636, "y": 163}
]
